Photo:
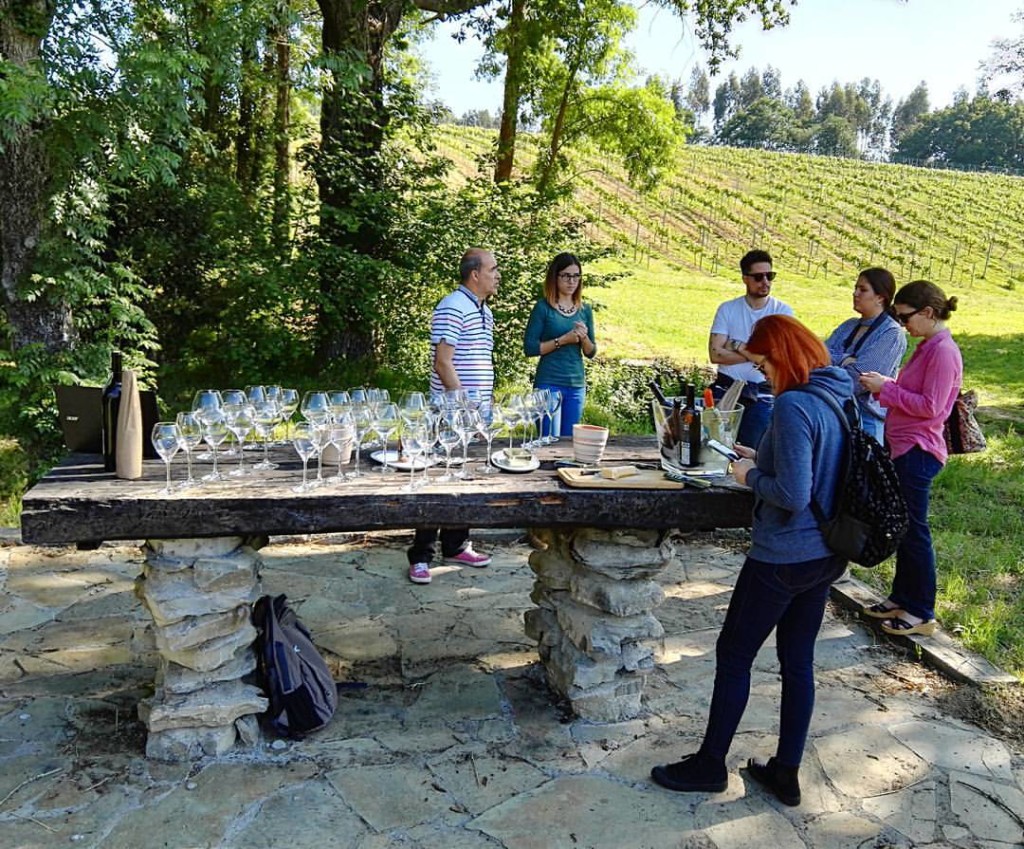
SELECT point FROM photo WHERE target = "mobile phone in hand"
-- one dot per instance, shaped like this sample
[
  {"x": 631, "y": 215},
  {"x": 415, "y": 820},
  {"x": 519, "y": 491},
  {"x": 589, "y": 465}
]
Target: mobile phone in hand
[{"x": 715, "y": 445}]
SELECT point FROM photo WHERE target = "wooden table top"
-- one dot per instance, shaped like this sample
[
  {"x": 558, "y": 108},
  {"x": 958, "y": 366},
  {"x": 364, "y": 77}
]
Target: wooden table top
[{"x": 79, "y": 502}]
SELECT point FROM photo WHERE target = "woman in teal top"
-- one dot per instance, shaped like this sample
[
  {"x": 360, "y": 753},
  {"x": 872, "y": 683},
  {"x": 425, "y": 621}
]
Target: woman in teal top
[{"x": 561, "y": 332}]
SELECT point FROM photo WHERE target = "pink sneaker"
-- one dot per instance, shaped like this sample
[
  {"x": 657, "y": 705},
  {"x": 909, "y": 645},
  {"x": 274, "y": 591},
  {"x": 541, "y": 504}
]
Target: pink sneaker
[
  {"x": 468, "y": 557},
  {"x": 419, "y": 573}
]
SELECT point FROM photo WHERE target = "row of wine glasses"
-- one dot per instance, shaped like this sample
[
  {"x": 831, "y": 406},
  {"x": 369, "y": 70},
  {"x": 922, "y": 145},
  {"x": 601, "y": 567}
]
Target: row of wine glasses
[{"x": 426, "y": 425}]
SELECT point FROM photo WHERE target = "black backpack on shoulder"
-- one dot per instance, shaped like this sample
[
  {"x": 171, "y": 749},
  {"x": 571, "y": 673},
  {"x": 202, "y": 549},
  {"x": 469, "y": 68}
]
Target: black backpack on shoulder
[
  {"x": 871, "y": 516},
  {"x": 301, "y": 689}
]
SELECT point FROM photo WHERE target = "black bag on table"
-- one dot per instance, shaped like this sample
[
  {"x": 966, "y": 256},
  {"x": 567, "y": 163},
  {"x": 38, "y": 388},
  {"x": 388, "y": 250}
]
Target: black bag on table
[
  {"x": 871, "y": 516},
  {"x": 302, "y": 692}
]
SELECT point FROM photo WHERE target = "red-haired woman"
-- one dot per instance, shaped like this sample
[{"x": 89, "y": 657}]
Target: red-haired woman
[{"x": 785, "y": 579}]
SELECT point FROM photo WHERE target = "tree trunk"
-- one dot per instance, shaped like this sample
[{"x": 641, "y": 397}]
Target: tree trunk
[
  {"x": 24, "y": 183},
  {"x": 555, "y": 144},
  {"x": 510, "y": 99},
  {"x": 245, "y": 137},
  {"x": 282, "y": 126},
  {"x": 352, "y": 128}
]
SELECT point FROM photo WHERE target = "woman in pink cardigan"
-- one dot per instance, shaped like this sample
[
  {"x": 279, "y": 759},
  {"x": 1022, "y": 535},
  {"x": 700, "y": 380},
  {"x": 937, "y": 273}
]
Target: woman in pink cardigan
[{"x": 918, "y": 402}]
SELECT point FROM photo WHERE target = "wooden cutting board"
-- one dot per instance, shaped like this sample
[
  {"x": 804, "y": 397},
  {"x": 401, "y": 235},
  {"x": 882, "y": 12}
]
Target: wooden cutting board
[{"x": 643, "y": 479}]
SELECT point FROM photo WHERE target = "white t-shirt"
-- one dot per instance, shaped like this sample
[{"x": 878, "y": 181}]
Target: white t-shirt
[{"x": 735, "y": 320}]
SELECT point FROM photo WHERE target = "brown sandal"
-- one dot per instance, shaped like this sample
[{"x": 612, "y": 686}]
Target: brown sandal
[
  {"x": 882, "y": 611},
  {"x": 903, "y": 628}
]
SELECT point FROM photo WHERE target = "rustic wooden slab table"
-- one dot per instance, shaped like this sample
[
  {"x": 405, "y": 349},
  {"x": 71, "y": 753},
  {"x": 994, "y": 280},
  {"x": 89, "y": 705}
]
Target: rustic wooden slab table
[{"x": 594, "y": 624}]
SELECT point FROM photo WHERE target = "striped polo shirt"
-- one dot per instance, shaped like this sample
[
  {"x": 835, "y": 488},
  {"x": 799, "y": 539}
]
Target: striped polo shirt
[{"x": 466, "y": 323}]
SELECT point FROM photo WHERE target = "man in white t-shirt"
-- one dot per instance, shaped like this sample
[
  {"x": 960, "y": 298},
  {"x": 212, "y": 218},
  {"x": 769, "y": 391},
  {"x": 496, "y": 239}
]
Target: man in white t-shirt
[
  {"x": 733, "y": 324},
  {"x": 462, "y": 346}
]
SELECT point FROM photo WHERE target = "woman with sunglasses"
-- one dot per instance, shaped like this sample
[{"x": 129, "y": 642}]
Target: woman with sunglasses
[
  {"x": 917, "y": 404},
  {"x": 561, "y": 332},
  {"x": 874, "y": 341},
  {"x": 785, "y": 579}
]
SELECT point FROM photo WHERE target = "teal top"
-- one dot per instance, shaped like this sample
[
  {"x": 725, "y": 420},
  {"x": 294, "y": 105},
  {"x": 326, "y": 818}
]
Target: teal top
[{"x": 563, "y": 366}]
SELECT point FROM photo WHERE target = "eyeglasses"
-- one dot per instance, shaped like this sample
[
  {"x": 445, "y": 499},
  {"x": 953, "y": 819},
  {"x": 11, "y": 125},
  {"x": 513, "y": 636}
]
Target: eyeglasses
[
  {"x": 904, "y": 317},
  {"x": 573, "y": 277},
  {"x": 761, "y": 276}
]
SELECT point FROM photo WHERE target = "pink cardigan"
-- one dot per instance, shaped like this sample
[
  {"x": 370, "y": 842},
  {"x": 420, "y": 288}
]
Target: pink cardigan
[{"x": 919, "y": 400}]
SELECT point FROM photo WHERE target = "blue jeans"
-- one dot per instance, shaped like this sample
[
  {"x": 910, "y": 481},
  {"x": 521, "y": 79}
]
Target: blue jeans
[
  {"x": 756, "y": 417},
  {"x": 571, "y": 411},
  {"x": 913, "y": 587},
  {"x": 789, "y": 597}
]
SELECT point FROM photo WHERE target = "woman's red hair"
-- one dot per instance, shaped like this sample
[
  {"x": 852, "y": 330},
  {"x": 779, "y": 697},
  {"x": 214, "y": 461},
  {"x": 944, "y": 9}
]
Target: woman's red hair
[{"x": 793, "y": 350}]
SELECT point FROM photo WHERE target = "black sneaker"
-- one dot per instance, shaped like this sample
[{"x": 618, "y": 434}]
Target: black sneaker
[
  {"x": 696, "y": 773},
  {"x": 783, "y": 781}
]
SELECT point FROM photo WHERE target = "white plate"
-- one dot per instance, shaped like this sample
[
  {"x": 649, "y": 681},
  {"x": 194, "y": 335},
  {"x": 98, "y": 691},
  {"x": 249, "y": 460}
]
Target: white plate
[
  {"x": 402, "y": 465},
  {"x": 498, "y": 458}
]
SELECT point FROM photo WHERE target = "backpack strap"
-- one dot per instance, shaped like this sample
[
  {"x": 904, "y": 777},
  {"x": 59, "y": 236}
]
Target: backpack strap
[{"x": 848, "y": 423}]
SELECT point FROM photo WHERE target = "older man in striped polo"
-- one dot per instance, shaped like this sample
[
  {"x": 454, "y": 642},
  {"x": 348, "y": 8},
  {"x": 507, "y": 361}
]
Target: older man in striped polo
[{"x": 462, "y": 344}]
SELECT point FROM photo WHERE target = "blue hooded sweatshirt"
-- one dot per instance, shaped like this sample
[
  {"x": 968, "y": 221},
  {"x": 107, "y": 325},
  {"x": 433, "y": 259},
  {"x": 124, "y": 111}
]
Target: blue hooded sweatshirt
[{"x": 802, "y": 452}]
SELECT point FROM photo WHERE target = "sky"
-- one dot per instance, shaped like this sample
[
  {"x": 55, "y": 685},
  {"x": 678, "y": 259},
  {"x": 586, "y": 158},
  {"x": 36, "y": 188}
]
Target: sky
[{"x": 941, "y": 42}]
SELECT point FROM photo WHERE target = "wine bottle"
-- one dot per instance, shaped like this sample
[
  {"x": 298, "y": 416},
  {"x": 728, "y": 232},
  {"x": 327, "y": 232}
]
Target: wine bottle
[
  {"x": 111, "y": 405},
  {"x": 690, "y": 453},
  {"x": 655, "y": 388}
]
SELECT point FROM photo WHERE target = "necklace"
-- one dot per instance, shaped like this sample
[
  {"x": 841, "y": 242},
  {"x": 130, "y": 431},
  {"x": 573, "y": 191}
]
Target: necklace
[{"x": 566, "y": 310}]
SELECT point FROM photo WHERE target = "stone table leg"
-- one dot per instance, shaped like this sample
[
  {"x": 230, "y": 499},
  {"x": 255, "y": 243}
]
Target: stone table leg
[
  {"x": 593, "y": 623},
  {"x": 200, "y": 593}
]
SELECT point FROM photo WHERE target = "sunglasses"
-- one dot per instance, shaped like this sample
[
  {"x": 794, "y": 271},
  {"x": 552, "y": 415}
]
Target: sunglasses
[
  {"x": 761, "y": 276},
  {"x": 904, "y": 317}
]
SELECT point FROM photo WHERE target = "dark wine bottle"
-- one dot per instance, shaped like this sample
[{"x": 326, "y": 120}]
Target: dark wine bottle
[
  {"x": 655, "y": 388},
  {"x": 111, "y": 405},
  {"x": 690, "y": 453}
]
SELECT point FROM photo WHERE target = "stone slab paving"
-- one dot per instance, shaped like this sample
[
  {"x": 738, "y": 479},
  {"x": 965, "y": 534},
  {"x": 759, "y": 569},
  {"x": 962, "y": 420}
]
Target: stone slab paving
[{"x": 447, "y": 736}]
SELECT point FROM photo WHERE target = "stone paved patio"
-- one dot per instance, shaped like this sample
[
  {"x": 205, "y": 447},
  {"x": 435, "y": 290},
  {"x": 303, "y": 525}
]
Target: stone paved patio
[{"x": 448, "y": 738}]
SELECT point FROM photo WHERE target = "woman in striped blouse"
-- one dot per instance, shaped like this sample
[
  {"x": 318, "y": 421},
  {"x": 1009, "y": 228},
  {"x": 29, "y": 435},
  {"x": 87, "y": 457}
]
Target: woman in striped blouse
[{"x": 874, "y": 341}]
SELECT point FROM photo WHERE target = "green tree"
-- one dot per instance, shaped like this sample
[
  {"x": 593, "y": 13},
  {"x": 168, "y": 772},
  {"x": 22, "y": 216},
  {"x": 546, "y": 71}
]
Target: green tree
[
  {"x": 909, "y": 112},
  {"x": 766, "y": 123}
]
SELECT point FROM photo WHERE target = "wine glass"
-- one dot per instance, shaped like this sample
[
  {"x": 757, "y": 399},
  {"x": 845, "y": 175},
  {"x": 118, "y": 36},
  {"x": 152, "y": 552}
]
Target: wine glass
[
  {"x": 167, "y": 441},
  {"x": 256, "y": 394},
  {"x": 206, "y": 403},
  {"x": 465, "y": 421},
  {"x": 191, "y": 435},
  {"x": 315, "y": 408},
  {"x": 448, "y": 437},
  {"x": 265, "y": 417},
  {"x": 215, "y": 431},
  {"x": 542, "y": 399},
  {"x": 385, "y": 422},
  {"x": 233, "y": 397},
  {"x": 554, "y": 405},
  {"x": 240, "y": 419},
  {"x": 304, "y": 440},
  {"x": 488, "y": 426},
  {"x": 413, "y": 407},
  {"x": 512, "y": 414},
  {"x": 289, "y": 403},
  {"x": 338, "y": 402},
  {"x": 340, "y": 434},
  {"x": 414, "y": 440},
  {"x": 362, "y": 422}
]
